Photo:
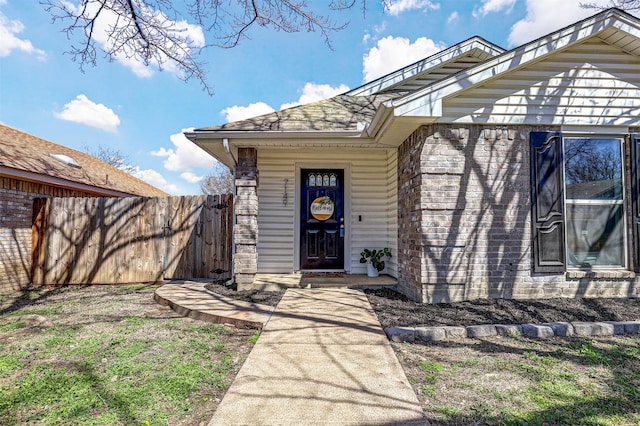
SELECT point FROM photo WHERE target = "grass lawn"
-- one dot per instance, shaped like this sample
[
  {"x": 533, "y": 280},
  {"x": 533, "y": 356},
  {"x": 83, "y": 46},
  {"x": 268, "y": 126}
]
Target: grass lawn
[
  {"x": 112, "y": 356},
  {"x": 519, "y": 381}
]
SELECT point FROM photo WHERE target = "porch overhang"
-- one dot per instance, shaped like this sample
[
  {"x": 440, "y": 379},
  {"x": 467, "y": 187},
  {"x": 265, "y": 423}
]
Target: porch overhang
[
  {"x": 386, "y": 131},
  {"x": 223, "y": 145}
]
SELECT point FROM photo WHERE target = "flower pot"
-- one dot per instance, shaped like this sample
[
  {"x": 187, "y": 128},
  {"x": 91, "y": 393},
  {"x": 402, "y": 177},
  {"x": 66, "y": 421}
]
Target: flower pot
[{"x": 371, "y": 271}]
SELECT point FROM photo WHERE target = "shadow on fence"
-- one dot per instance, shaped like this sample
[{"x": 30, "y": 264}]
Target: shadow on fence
[{"x": 125, "y": 240}]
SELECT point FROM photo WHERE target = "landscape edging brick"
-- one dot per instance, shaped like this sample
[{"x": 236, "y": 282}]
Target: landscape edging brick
[{"x": 554, "y": 329}]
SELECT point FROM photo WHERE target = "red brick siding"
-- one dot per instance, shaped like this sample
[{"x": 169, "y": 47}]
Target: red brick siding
[{"x": 16, "y": 210}]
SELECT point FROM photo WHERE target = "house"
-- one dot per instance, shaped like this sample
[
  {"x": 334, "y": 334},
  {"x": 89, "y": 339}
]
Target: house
[
  {"x": 31, "y": 167},
  {"x": 488, "y": 173}
]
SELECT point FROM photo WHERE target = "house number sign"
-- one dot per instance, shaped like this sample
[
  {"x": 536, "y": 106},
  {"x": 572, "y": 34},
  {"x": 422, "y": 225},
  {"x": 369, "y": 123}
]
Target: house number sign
[{"x": 322, "y": 208}]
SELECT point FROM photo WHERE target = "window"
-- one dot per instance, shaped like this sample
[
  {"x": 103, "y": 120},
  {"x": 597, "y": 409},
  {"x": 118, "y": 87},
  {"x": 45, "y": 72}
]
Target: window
[
  {"x": 320, "y": 180},
  {"x": 578, "y": 202}
]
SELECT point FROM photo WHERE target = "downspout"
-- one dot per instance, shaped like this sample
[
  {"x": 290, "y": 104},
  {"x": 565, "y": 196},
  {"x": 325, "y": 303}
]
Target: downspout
[{"x": 225, "y": 143}]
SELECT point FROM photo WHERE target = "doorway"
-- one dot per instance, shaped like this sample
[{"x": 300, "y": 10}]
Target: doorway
[{"x": 322, "y": 228}]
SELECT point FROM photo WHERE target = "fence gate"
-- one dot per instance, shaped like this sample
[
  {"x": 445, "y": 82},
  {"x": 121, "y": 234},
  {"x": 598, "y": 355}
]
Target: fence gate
[{"x": 127, "y": 240}]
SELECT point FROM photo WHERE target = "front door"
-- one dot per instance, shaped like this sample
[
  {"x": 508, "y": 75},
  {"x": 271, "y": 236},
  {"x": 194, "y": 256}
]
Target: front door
[{"x": 322, "y": 221}]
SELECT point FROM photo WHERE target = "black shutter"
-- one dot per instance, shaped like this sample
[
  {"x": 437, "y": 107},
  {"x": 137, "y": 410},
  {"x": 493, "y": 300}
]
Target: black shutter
[
  {"x": 635, "y": 197},
  {"x": 547, "y": 202}
]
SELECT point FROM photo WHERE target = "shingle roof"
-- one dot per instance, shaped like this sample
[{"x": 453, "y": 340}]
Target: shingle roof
[
  {"x": 352, "y": 110},
  {"x": 340, "y": 113},
  {"x": 22, "y": 152}
]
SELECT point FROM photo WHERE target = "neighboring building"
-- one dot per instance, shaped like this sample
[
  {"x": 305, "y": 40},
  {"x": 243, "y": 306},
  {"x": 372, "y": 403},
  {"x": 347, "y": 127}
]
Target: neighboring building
[
  {"x": 441, "y": 161},
  {"x": 31, "y": 167}
]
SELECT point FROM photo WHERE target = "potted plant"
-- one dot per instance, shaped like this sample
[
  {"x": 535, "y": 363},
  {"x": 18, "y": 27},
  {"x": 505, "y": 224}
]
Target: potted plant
[{"x": 374, "y": 260}]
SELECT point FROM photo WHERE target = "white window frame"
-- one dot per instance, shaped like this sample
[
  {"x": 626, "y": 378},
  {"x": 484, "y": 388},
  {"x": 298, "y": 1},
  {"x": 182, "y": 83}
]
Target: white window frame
[{"x": 625, "y": 247}]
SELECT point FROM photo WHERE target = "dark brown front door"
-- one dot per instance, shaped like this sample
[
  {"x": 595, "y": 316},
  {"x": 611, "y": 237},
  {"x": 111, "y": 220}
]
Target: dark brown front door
[{"x": 322, "y": 220}]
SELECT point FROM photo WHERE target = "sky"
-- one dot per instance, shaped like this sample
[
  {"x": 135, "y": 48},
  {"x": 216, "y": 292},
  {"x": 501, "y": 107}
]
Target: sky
[{"x": 142, "y": 112}]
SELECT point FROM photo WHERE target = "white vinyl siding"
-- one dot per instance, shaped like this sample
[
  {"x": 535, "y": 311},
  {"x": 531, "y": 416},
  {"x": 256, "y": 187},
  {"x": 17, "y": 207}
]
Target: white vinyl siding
[
  {"x": 392, "y": 210},
  {"x": 275, "y": 220},
  {"x": 589, "y": 84},
  {"x": 371, "y": 196}
]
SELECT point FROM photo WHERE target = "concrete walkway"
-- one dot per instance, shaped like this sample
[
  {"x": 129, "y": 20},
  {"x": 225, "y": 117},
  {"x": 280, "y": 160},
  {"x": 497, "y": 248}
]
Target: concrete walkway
[
  {"x": 322, "y": 359},
  {"x": 192, "y": 299}
]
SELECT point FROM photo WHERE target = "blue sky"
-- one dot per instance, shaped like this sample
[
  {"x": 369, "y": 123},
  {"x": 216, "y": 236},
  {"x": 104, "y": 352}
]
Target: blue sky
[{"x": 142, "y": 112}]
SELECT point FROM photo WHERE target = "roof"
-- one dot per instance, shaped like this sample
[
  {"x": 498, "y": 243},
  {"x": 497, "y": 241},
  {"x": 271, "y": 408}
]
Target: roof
[
  {"x": 613, "y": 26},
  {"x": 356, "y": 108},
  {"x": 340, "y": 113},
  {"x": 440, "y": 65},
  {"x": 27, "y": 157},
  {"x": 387, "y": 110}
]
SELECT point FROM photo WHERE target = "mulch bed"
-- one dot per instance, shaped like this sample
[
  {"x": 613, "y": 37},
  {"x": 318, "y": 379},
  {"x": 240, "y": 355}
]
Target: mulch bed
[{"x": 394, "y": 309}]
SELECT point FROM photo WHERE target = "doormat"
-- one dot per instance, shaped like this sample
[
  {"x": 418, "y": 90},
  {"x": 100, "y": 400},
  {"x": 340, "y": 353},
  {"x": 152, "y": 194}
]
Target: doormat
[{"x": 323, "y": 275}]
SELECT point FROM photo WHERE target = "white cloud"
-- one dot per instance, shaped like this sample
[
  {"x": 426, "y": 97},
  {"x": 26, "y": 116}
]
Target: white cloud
[
  {"x": 189, "y": 36},
  {"x": 399, "y": 6},
  {"x": 494, "y": 6},
  {"x": 154, "y": 178},
  {"x": 237, "y": 112},
  {"x": 312, "y": 92},
  {"x": 185, "y": 155},
  {"x": 546, "y": 16},
  {"x": 392, "y": 53},
  {"x": 9, "y": 40},
  {"x": 84, "y": 111},
  {"x": 453, "y": 17},
  {"x": 191, "y": 177},
  {"x": 377, "y": 30}
]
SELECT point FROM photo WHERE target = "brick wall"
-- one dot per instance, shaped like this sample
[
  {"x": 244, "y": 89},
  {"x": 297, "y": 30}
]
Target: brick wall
[
  {"x": 245, "y": 231},
  {"x": 410, "y": 247},
  {"x": 464, "y": 220},
  {"x": 16, "y": 210}
]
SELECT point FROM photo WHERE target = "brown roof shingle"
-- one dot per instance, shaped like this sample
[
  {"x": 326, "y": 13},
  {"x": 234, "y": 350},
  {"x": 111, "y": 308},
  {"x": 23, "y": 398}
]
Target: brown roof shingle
[
  {"x": 340, "y": 113},
  {"x": 22, "y": 152}
]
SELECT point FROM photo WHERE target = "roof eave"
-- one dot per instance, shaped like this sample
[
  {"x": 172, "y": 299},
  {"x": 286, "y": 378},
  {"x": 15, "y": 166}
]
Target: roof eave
[
  {"x": 59, "y": 182},
  {"x": 389, "y": 129},
  {"x": 425, "y": 100},
  {"x": 438, "y": 59},
  {"x": 222, "y": 149}
]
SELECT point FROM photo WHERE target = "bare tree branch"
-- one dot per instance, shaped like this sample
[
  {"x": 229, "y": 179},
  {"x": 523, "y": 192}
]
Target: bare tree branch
[
  {"x": 156, "y": 33},
  {"x": 220, "y": 181},
  {"x": 628, "y": 5},
  {"x": 112, "y": 157}
]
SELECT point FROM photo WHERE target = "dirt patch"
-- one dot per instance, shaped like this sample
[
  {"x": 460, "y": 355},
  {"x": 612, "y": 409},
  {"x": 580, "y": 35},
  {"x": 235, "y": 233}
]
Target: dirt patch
[{"x": 270, "y": 298}]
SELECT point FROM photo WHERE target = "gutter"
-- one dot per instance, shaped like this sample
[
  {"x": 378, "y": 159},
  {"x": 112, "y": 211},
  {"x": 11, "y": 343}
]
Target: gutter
[
  {"x": 384, "y": 112},
  {"x": 269, "y": 134},
  {"x": 49, "y": 180}
]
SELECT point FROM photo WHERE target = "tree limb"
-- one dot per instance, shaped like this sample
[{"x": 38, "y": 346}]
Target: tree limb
[{"x": 156, "y": 33}]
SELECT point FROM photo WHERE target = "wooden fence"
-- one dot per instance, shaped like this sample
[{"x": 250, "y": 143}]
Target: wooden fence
[{"x": 127, "y": 240}]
